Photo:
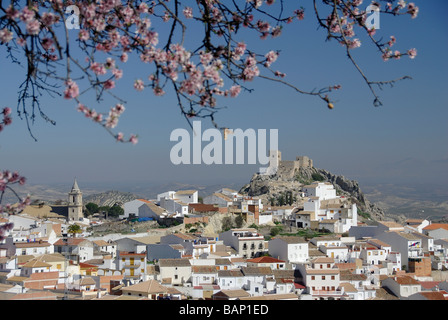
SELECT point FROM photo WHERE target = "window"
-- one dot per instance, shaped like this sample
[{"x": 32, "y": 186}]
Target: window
[
  {"x": 323, "y": 277},
  {"x": 313, "y": 278},
  {"x": 332, "y": 277}
]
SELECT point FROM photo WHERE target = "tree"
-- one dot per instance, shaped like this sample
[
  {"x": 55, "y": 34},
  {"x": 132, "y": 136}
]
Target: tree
[
  {"x": 115, "y": 211},
  {"x": 226, "y": 223},
  {"x": 92, "y": 208},
  {"x": 73, "y": 229},
  {"x": 239, "y": 221},
  {"x": 201, "y": 67}
]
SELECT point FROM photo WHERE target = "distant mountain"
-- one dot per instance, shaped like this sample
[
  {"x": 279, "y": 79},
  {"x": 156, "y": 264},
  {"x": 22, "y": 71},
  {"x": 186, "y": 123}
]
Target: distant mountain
[
  {"x": 110, "y": 198},
  {"x": 414, "y": 201}
]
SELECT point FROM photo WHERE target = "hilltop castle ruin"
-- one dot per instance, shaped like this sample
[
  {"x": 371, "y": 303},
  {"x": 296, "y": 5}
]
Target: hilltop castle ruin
[{"x": 285, "y": 169}]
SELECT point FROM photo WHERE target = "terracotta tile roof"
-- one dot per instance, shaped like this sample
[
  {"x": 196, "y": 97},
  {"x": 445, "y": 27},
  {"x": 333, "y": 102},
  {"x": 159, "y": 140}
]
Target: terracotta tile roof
[
  {"x": 265, "y": 259},
  {"x": 204, "y": 269},
  {"x": 174, "y": 263},
  {"x": 291, "y": 239},
  {"x": 238, "y": 293},
  {"x": 32, "y": 244},
  {"x": 230, "y": 273},
  {"x": 405, "y": 280},
  {"x": 147, "y": 287},
  {"x": 256, "y": 271},
  {"x": 434, "y": 226},
  {"x": 429, "y": 284},
  {"x": 433, "y": 295},
  {"x": 36, "y": 264},
  {"x": 70, "y": 242}
]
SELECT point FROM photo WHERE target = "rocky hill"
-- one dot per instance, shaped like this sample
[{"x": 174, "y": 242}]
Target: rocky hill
[
  {"x": 109, "y": 198},
  {"x": 276, "y": 188}
]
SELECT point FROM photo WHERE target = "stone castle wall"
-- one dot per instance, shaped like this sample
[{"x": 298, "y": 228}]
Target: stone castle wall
[{"x": 288, "y": 169}]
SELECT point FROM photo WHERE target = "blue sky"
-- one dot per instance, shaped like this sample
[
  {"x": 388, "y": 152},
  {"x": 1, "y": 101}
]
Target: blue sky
[{"x": 404, "y": 141}]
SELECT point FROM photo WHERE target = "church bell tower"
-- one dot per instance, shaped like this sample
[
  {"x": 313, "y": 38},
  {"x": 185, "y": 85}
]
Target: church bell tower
[{"x": 75, "y": 203}]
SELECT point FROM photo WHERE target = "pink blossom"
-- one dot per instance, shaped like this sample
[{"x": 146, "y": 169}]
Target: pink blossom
[
  {"x": 33, "y": 27},
  {"x": 124, "y": 57},
  {"x": 235, "y": 90},
  {"x": 117, "y": 73},
  {"x": 98, "y": 68},
  {"x": 5, "y": 35},
  {"x": 139, "y": 85},
  {"x": 412, "y": 53},
  {"x": 188, "y": 12},
  {"x": 72, "y": 90},
  {"x": 6, "y": 111},
  {"x": 240, "y": 49},
  {"x": 12, "y": 13},
  {"x": 133, "y": 139},
  {"x": 392, "y": 41},
  {"x": 119, "y": 136},
  {"x": 7, "y": 120},
  {"x": 413, "y": 10},
  {"x": 271, "y": 57},
  {"x": 21, "y": 42},
  {"x": 47, "y": 43},
  {"x": 109, "y": 84},
  {"x": 26, "y": 15},
  {"x": 83, "y": 35},
  {"x": 158, "y": 91},
  {"x": 49, "y": 18},
  {"x": 119, "y": 109}
]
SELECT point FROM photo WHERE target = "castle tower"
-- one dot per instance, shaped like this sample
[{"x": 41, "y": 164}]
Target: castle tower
[{"x": 75, "y": 203}]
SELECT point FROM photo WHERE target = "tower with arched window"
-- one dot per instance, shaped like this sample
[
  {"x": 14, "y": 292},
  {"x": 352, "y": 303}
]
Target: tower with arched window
[{"x": 75, "y": 203}]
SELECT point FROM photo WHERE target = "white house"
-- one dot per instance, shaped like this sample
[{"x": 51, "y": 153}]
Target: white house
[
  {"x": 75, "y": 249},
  {"x": 323, "y": 190},
  {"x": 131, "y": 208},
  {"x": 436, "y": 230},
  {"x": 143, "y": 209},
  {"x": 402, "y": 286},
  {"x": 256, "y": 279},
  {"x": 291, "y": 249},
  {"x": 231, "y": 279},
  {"x": 416, "y": 225},
  {"x": 174, "y": 206},
  {"x": 407, "y": 244},
  {"x": 372, "y": 255},
  {"x": 33, "y": 247},
  {"x": 34, "y": 266},
  {"x": 184, "y": 196},
  {"x": 247, "y": 241},
  {"x": 321, "y": 278},
  {"x": 219, "y": 199},
  {"x": 137, "y": 244},
  {"x": 106, "y": 247},
  {"x": 203, "y": 275},
  {"x": 175, "y": 271},
  {"x": 132, "y": 265}
]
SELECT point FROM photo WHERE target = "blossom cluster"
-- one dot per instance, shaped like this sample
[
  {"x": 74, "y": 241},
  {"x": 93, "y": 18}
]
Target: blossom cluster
[
  {"x": 112, "y": 31},
  {"x": 8, "y": 178},
  {"x": 7, "y": 120},
  {"x": 341, "y": 25}
]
